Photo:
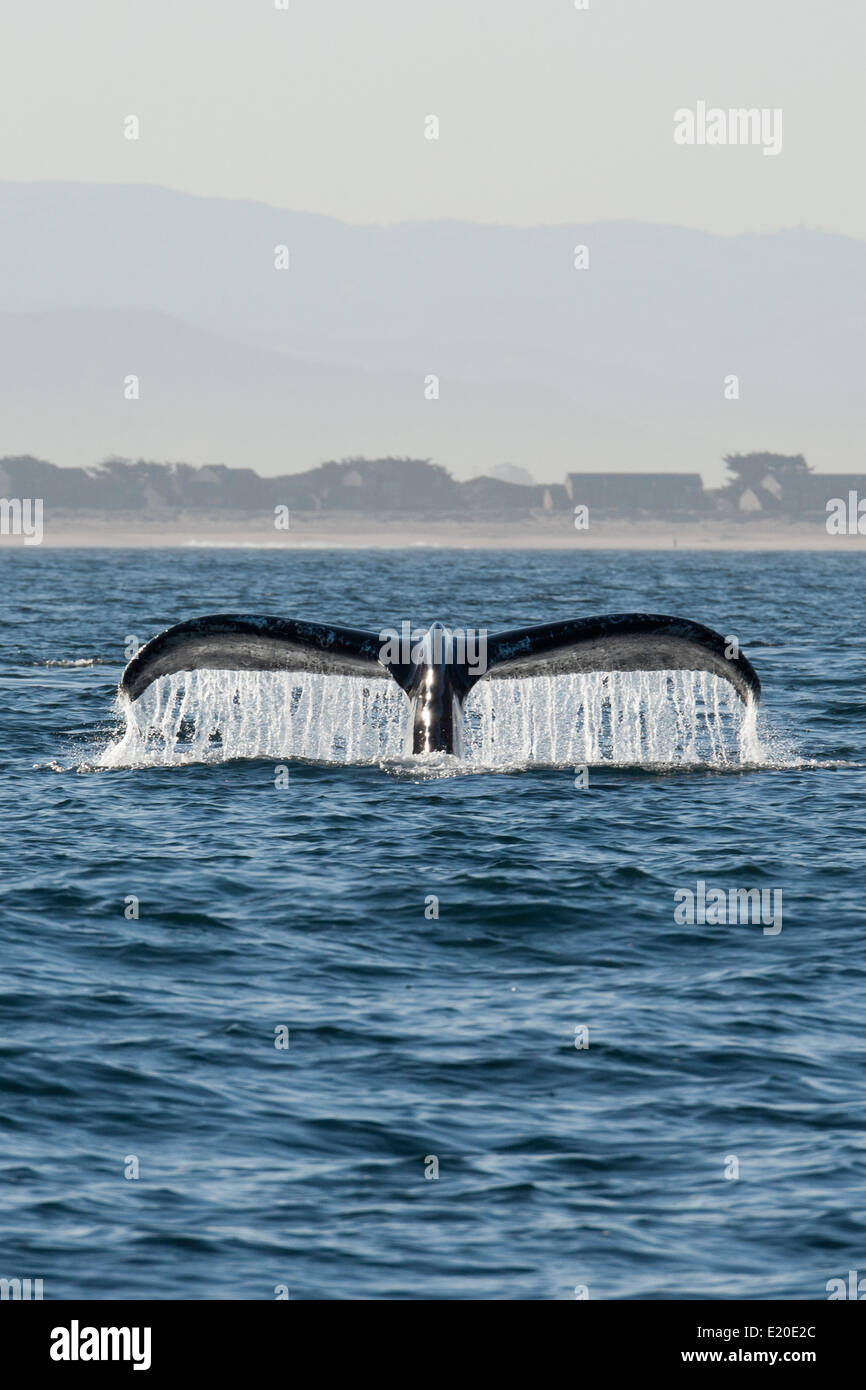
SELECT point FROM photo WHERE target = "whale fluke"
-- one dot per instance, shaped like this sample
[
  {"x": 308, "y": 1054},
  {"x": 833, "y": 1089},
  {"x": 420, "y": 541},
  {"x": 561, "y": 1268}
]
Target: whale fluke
[
  {"x": 246, "y": 642},
  {"x": 619, "y": 642},
  {"x": 436, "y": 674}
]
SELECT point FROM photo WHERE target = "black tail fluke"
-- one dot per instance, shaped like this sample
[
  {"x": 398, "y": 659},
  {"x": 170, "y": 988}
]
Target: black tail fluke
[
  {"x": 244, "y": 642},
  {"x": 619, "y": 642},
  {"x": 435, "y": 676}
]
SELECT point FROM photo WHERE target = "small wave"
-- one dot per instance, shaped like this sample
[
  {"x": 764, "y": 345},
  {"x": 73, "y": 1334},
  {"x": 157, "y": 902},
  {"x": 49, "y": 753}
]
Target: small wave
[
  {"x": 80, "y": 661},
  {"x": 194, "y": 543}
]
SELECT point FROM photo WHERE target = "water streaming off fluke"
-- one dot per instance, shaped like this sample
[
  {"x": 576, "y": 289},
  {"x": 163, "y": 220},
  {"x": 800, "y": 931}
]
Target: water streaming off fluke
[{"x": 620, "y": 718}]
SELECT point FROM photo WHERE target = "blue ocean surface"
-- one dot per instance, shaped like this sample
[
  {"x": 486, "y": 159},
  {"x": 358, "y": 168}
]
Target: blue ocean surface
[{"x": 510, "y": 1072}]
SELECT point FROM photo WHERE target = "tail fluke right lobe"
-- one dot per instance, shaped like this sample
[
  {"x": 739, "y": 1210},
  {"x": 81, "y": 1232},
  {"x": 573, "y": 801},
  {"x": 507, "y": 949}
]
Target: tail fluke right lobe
[{"x": 619, "y": 642}]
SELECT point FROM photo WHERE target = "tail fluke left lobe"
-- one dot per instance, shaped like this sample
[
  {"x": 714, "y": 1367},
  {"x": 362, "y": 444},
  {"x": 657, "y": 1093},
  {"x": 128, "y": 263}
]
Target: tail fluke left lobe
[{"x": 246, "y": 642}]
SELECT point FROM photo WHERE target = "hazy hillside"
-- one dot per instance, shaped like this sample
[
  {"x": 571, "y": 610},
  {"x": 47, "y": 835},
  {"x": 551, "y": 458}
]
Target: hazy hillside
[{"x": 541, "y": 365}]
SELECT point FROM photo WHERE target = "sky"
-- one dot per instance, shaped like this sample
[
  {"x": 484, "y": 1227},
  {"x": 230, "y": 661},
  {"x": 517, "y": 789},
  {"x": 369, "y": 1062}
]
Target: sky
[{"x": 547, "y": 113}]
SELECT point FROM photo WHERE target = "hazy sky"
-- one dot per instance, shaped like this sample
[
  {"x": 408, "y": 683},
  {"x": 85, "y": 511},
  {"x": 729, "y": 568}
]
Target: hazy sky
[{"x": 547, "y": 113}]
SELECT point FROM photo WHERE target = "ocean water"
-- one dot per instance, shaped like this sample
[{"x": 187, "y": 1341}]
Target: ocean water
[{"x": 432, "y": 939}]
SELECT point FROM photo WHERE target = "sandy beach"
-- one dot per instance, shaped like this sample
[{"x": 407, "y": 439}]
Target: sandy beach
[{"x": 343, "y": 530}]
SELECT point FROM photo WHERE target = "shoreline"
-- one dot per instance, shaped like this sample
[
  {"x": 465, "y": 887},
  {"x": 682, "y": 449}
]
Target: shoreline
[{"x": 330, "y": 531}]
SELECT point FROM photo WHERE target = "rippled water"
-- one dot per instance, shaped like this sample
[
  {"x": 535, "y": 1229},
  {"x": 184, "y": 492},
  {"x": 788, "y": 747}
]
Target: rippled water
[{"x": 309, "y": 902}]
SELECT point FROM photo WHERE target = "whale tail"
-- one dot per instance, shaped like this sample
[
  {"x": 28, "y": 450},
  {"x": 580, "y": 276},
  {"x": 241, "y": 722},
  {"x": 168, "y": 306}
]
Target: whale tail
[
  {"x": 435, "y": 674},
  {"x": 246, "y": 642}
]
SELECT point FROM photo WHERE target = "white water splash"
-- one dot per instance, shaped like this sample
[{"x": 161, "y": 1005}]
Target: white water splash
[
  {"x": 81, "y": 661},
  {"x": 619, "y": 718},
  {"x": 208, "y": 716}
]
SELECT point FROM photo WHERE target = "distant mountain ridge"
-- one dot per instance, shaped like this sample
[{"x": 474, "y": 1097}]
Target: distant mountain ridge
[{"x": 618, "y": 366}]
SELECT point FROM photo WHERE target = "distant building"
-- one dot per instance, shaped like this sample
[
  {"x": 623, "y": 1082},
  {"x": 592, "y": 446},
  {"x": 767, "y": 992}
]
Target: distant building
[
  {"x": 810, "y": 499},
  {"x": 495, "y": 496},
  {"x": 765, "y": 485},
  {"x": 635, "y": 494}
]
